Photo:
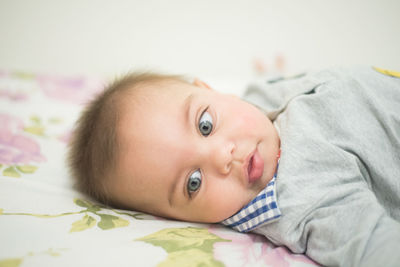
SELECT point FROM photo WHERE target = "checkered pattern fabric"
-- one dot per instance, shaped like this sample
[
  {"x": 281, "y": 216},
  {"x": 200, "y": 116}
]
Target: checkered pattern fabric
[{"x": 262, "y": 209}]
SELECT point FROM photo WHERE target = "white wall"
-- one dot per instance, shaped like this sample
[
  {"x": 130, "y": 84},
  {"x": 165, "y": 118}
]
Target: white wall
[{"x": 208, "y": 37}]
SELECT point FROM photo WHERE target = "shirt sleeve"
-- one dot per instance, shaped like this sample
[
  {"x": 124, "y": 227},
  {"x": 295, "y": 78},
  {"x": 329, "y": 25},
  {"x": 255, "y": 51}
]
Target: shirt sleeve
[
  {"x": 355, "y": 231},
  {"x": 273, "y": 98}
]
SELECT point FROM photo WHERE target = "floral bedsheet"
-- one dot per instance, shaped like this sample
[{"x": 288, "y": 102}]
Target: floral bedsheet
[{"x": 45, "y": 222}]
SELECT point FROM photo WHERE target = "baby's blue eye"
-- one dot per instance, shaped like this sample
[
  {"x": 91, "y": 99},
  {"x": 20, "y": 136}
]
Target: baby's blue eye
[
  {"x": 205, "y": 123},
  {"x": 194, "y": 182}
]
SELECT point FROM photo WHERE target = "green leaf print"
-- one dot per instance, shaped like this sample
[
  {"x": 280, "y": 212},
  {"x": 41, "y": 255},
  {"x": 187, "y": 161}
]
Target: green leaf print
[
  {"x": 86, "y": 204},
  {"x": 15, "y": 171},
  {"x": 106, "y": 222},
  {"x": 82, "y": 203},
  {"x": 85, "y": 223},
  {"x": 189, "y": 246},
  {"x": 35, "y": 119},
  {"x": 55, "y": 120},
  {"x": 37, "y": 127},
  {"x": 27, "y": 168},
  {"x": 24, "y": 75},
  {"x": 11, "y": 172},
  {"x": 190, "y": 257},
  {"x": 36, "y": 130},
  {"x": 111, "y": 221},
  {"x": 13, "y": 262}
]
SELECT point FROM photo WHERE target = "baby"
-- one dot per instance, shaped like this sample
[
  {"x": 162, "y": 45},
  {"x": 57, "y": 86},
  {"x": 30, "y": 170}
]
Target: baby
[{"x": 313, "y": 163}]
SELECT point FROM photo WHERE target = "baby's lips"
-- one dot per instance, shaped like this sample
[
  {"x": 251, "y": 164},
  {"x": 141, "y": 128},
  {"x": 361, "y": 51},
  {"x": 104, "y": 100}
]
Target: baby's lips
[{"x": 256, "y": 167}]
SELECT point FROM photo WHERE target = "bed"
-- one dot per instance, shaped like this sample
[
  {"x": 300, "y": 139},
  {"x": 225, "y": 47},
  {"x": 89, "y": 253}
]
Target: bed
[{"x": 44, "y": 221}]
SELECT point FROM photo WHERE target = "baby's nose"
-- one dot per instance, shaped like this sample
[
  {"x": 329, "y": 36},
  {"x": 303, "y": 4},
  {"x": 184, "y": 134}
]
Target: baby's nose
[{"x": 221, "y": 157}]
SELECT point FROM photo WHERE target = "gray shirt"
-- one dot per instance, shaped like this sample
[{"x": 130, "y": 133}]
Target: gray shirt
[{"x": 338, "y": 183}]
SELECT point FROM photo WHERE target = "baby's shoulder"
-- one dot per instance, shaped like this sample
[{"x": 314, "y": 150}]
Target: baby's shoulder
[{"x": 355, "y": 73}]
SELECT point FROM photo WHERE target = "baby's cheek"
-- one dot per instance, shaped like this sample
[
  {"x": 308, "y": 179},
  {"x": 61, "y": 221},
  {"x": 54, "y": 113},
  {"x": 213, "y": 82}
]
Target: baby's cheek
[
  {"x": 244, "y": 119},
  {"x": 252, "y": 114}
]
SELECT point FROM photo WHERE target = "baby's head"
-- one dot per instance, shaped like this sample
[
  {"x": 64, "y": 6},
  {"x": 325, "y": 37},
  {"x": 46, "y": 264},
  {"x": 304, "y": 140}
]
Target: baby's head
[{"x": 181, "y": 150}]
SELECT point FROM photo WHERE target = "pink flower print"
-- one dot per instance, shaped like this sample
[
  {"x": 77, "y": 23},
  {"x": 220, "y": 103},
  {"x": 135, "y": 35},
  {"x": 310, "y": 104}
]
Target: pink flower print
[
  {"x": 73, "y": 90},
  {"x": 3, "y": 73},
  {"x": 252, "y": 250},
  {"x": 15, "y": 148},
  {"x": 13, "y": 96}
]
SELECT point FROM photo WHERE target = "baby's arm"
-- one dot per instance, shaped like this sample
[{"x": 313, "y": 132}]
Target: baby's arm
[{"x": 355, "y": 231}]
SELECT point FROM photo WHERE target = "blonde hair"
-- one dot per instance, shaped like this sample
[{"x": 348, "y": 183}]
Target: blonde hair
[{"x": 93, "y": 151}]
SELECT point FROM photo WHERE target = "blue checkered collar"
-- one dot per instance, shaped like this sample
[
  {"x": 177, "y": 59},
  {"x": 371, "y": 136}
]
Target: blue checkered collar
[{"x": 261, "y": 210}]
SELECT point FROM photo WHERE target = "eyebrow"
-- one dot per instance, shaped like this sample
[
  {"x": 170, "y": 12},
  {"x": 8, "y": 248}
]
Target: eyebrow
[{"x": 186, "y": 110}]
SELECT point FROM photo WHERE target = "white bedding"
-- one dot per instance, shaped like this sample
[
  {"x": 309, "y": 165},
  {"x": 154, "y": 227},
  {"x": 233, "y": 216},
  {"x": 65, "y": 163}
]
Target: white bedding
[{"x": 44, "y": 221}]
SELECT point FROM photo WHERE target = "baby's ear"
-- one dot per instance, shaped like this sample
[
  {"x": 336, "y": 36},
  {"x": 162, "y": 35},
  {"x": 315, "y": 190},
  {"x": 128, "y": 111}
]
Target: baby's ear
[{"x": 201, "y": 84}]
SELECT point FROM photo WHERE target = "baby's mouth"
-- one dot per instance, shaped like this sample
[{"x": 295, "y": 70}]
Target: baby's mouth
[{"x": 256, "y": 167}]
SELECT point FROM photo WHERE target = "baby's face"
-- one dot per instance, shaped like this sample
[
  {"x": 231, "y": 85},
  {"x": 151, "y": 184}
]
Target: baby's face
[{"x": 192, "y": 153}]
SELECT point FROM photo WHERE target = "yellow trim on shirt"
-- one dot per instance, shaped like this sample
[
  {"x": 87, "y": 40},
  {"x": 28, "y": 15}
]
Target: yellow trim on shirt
[{"x": 388, "y": 72}]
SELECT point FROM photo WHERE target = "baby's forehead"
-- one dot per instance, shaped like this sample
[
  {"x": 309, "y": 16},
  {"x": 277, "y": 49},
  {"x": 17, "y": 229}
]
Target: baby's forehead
[
  {"x": 145, "y": 93},
  {"x": 159, "y": 84},
  {"x": 140, "y": 104}
]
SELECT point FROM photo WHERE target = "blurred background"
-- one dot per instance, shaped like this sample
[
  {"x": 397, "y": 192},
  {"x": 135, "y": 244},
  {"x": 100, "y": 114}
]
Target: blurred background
[{"x": 235, "y": 40}]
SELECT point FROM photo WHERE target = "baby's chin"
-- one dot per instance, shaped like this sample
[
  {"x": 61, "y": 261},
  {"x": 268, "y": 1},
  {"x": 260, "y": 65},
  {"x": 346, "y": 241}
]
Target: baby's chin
[{"x": 260, "y": 184}]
